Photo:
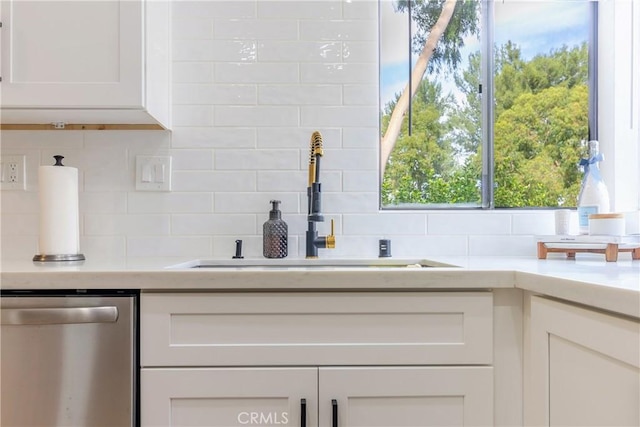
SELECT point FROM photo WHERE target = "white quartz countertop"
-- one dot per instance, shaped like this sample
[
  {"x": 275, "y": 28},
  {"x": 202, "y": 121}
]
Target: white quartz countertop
[{"x": 613, "y": 286}]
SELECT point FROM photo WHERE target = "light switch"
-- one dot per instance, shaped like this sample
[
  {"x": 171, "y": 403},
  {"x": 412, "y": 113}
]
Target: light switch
[
  {"x": 159, "y": 173},
  {"x": 146, "y": 173},
  {"x": 153, "y": 173}
]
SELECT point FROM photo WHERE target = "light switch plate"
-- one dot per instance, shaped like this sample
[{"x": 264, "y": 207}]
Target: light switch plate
[
  {"x": 13, "y": 172},
  {"x": 153, "y": 173}
]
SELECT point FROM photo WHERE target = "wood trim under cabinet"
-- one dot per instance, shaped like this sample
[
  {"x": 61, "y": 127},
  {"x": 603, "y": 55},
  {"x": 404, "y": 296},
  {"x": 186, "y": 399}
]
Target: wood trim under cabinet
[{"x": 49, "y": 126}]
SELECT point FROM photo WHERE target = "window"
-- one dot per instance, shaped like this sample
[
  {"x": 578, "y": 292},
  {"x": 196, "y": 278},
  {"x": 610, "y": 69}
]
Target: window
[{"x": 502, "y": 106}]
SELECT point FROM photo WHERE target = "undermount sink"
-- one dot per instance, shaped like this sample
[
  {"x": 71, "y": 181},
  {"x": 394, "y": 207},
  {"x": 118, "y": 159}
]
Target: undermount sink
[{"x": 325, "y": 264}]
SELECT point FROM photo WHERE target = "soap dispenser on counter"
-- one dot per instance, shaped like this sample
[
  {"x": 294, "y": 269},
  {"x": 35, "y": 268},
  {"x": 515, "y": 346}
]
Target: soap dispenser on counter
[{"x": 275, "y": 234}]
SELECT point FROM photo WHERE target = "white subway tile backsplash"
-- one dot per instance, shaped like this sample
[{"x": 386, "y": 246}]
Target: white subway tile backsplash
[
  {"x": 299, "y": 51},
  {"x": 256, "y": 159},
  {"x": 121, "y": 139},
  {"x": 192, "y": 72},
  {"x": 130, "y": 225},
  {"x": 350, "y": 159},
  {"x": 338, "y": 73},
  {"x": 216, "y": 50},
  {"x": 213, "y": 9},
  {"x": 365, "y": 137},
  {"x": 275, "y": 72},
  {"x": 192, "y": 28},
  {"x": 362, "y": 52},
  {"x": 213, "y": 94},
  {"x": 300, "y": 95},
  {"x": 105, "y": 180},
  {"x": 428, "y": 246},
  {"x": 360, "y": 9},
  {"x": 205, "y": 181},
  {"x": 307, "y": 9},
  {"x": 15, "y": 202},
  {"x": 216, "y": 224},
  {"x": 192, "y": 160},
  {"x": 297, "y": 138},
  {"x": 540, "y": 223},
  {"x": 258, "y": 116},
  {"x": 339, "y": 116},
  {"x": 169, "y": 246},
  {"x": 103, "y": 202},
  {"x": 193, "y": 50},
  {"x": 338, "y": 30},
  {"x": 25, "y": 140},
  {"x": 19, "y": 248},
  {"x": 157, "y": 203},
  {"x": 383, "y": 224},
  {"x": 254, "y": 202},
  {"x": 193, "y": 115},
  {"x": 364, "y": 95},
  {"x": 502, "y": 246},
  {"x": 360, "y": 181},
  {"x": 469, "y": 223},
  {"x": 103, "y": 247},
  {"x": 235, "y": 51},
  {"x": 269, "y": 181},
  {"x": 213, "y": 137},
  {"x": 21, "y": 224},
  {"x": 334, "y": 203},
  {"x": 262, "y": 29}
]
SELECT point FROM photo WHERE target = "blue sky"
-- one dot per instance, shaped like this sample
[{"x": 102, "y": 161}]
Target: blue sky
[{"x": 535, "y": 26}]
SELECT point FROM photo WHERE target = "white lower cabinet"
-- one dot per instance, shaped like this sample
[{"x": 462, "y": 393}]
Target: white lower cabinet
[
  {"x": 367, "y": 359},
  {"x": 223, "y": 397},
  {"x": 406, "y": 396},
  {"x": 327, "y": 396},
  {"x": 582, "y": 367}
]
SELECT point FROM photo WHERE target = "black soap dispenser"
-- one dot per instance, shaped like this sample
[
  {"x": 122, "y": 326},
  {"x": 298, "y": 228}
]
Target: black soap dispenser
[{"x": 275, "y": 234}]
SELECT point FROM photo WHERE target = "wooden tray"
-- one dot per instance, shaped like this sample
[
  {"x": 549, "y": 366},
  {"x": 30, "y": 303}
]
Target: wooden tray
[{"x": 610, "y": 250}]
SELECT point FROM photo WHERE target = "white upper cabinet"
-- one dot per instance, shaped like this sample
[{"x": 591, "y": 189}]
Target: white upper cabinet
[{"x": 99, "y": 62}]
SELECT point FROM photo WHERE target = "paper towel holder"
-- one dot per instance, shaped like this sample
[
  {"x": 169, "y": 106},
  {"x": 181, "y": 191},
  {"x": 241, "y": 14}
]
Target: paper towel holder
[{"x": 61, "y": 257}]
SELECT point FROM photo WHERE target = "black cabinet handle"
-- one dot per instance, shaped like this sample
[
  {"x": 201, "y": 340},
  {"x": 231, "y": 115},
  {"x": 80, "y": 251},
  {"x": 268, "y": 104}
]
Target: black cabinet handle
[
  {"x": 334, "y": 413},
  {"x": 303, "y": 412}
]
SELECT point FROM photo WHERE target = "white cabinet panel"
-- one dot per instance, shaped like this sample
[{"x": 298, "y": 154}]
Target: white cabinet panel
[
  {"x": 228, "y": 397},
  {"x": 381, "y": 328},
  {"x": 582, "y": 367},
  {"x": 406, "y": 396}
]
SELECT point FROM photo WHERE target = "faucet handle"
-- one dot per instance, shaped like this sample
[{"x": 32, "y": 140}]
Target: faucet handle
[{"x": 331, "y": 238}]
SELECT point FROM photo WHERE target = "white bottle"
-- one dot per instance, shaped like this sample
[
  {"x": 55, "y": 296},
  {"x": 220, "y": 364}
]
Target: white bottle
[{"x": 593, "y": 197}]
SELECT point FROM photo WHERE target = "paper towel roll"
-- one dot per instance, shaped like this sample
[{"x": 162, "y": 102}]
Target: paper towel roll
[{"x": 59, "y": 210}]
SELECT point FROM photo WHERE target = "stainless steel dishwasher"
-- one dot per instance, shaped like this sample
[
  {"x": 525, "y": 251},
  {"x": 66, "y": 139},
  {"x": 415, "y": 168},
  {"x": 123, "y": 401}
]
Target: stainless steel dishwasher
[{"x": 69, "y": 358}]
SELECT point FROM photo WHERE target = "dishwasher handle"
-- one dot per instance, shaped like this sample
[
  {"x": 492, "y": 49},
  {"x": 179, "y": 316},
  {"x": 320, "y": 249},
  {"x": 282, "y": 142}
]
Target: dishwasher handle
[{"x": 58, "y": 316}]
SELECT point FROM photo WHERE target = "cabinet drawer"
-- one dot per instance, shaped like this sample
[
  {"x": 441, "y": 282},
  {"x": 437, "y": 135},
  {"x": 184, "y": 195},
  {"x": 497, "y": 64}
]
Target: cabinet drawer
[{"x": 376, "y": 328}]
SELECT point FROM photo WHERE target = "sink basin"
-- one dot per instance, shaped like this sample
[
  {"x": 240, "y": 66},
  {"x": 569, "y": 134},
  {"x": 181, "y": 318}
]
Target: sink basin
[{"x": 324, "y": 264}]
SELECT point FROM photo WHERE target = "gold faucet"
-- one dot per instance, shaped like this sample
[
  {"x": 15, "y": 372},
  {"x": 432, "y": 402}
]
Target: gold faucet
[{"x": 313, "y": 241}]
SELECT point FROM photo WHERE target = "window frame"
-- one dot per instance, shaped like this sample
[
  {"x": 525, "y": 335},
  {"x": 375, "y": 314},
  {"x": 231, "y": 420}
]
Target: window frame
[{"x": 487, "y": 66}]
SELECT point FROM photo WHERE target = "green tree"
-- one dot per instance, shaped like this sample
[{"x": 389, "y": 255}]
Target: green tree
[
  {"x": 438, "y": 41},
  {"x": 537, "y": 145}
]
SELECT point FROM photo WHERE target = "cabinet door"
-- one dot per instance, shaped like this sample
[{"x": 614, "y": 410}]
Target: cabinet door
[
  {"x": 582, "y": 367},
  {"x": 228, "y": 397},
  {"x": 71, "y": 53},
  {"x": 406, "y": 396}
]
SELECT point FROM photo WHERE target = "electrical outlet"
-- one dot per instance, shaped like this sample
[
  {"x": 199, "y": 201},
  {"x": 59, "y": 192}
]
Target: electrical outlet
[{"x": 13, "y": 172}]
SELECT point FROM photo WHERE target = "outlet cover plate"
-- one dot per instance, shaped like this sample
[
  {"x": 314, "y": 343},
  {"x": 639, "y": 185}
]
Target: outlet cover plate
[
  {"x": 153, "y": 173},
  {"x": 13, "y": 173}
]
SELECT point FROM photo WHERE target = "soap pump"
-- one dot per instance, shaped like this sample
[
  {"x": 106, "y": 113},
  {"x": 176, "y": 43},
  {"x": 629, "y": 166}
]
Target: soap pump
[{"x": 275, "y": 234}]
